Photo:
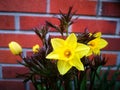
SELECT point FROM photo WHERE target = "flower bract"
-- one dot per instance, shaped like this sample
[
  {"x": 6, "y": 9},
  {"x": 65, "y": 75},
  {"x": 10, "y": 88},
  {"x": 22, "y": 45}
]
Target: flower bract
[
  {"x": 68, "y": 53},
  {"x": 15, "y": 48}
]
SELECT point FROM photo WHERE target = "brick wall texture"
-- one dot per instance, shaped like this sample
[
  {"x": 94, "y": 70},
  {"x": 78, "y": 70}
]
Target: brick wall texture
[{"x": 19, "y": 17}]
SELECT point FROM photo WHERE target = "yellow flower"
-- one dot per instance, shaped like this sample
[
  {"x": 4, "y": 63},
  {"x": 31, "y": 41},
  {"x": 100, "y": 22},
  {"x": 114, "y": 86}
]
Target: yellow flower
[
  {"x": 97, "y": 35},
  {"x": 68, "y": 53},
  {"x": 96, "y": 44},
  {"x": 15, "y": 48},
  {"x": 35, "y": 48}
]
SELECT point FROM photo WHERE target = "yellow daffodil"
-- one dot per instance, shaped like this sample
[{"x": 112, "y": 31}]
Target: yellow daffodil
[
  {"x": 15, "y": 48},
  {"x": 96, "y": 44},
  {"x": 97, "y": 35},
  {"x": 35, "y": 48},
  {"x": 68, "y": 53}
]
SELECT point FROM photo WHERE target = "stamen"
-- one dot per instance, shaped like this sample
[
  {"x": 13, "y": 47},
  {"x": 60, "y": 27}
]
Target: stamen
[{"x": 67, "y": 53}]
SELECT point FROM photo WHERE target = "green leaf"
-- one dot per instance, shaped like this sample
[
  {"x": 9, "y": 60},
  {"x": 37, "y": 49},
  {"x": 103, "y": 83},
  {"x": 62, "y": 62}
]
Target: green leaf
[{"x": 83, "y": 83}]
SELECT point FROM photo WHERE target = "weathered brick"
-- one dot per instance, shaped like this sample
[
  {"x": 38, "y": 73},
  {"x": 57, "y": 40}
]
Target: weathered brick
[
  {"x": 23, "y": 6},
  {"x": 111, "y": 59},
  {"x": 111, "y": 9},
  {"x": 30, "y": 22},
  {"x": 25, "y": 40},
  {"x": 113, "y": 44},
  {"x": 7, "y": 22},
  {"x": 11, "y": 72},
  {"x": 31, "y": 86},
  {"x": 104, "y": 26},
  {"x": 11, "y": 85},
  {"x": 7, "y": 57},
  {"x": 81, "y": 6}
]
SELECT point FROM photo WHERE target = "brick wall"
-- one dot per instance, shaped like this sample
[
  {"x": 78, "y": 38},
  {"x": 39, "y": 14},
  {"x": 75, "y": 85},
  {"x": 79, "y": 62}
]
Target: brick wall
[{"x": 18, "y": 17}]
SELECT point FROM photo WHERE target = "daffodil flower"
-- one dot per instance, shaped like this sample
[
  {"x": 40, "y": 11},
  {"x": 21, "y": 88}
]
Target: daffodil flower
[
  {"x": 35, "y": 48},
  {"x": 96, "y": 44},
  {"x": 68, "y": 53},
  {"x": 15, "y": 48},
  {"x": 97, "y": 35}
]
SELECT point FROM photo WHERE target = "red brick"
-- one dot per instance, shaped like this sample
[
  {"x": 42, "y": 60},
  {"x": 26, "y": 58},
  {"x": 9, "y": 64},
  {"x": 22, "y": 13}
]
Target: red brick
[
  {"x": 25, "y": 40},
  {"x": 11, "y": 85},
  {"x": 29, "y": 22},
  {"x": 23, "y": 5},
  {"x": 10, "y": 72},
  {"x": 31, "y": 86},
  {"x": 81, "y": 6},
  {"x": 111, "y": 9},
  {"x": 113, "y": 44},
  {"x": 7, "y": 57},
  {"x": 108, "y": 27},
  {"x": 6, "y": 22},
  {"x": 111, "y": 59}
]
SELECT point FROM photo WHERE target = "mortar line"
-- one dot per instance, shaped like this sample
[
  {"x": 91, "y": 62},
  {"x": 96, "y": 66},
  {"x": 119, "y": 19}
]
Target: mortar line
[
  {"x": 48, "y": 6},
  {"x": 17, "y": 23},
  {"x": 118, "y": 28}
]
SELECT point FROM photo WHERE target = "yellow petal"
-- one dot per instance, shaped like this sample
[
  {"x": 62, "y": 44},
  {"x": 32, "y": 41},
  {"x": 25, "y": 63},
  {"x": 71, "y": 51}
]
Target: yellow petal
[
  {"x": 35, "y": 48},
  {"x": 89, "y": 53},
  {"x": 57, "y": 43},
  {"x": 63, "y": 67},
  {"x": 15, "y": 48},
  {"x": 71, "y": 40},
  {"x": 52, "y": 55},
  {"x": 102, "y": 43},
  {"x": 98, "y": 34},
  {"x": 77, "y": 63},
  {"x": 82, "y": 49},
  {"x": 96, "y": 51}
]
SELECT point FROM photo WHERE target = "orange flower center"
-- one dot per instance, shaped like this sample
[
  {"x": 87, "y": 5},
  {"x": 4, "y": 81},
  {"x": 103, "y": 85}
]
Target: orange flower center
[
  {"x": 92, "y": 44},
  {"x": 67, "y": 53}
]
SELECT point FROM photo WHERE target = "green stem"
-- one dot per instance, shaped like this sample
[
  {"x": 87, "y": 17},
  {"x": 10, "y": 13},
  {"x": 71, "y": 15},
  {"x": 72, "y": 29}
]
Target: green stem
[{"x": 92, "y": 78}]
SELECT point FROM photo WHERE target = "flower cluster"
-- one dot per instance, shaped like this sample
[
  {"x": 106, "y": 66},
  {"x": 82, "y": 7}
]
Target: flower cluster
[{"x": 62, "y": 59}]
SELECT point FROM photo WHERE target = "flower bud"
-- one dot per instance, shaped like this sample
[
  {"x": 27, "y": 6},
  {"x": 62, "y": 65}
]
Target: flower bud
[
  {"x": 35, "y": 48},
  {"x": 15, "y": 48}
]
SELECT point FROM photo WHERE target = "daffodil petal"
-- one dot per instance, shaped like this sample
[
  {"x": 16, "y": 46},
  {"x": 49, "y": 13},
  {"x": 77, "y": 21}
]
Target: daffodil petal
[
  {"x": 57, "y": 43},
  {"x": 52, "y": 55},
  {"x": 15, "y": 48},
  {"x": 89, "y": 53},
  {"x": 63, "y": 67},
  {"x": 98, "y": 34},
  {"x": 102, "y": 43},
  {"x": 77, "y": 63},
  {"x": 96, "y": 51},
  {"x": 82, "y": 49},
  {"x": 71, "y": 40}
]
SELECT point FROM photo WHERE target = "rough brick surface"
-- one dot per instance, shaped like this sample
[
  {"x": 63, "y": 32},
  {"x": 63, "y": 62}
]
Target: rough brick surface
[
  {"x": 31, "y": 86},
  {"x": 81, "y": 6},
  {"x": 11, "y": 72},
  {"x": 30, "y": 22},
  {"x": 11, "y": 85},
  {"x": 114, "y": 44},
  {"x": 7, "y": 57},
  {"x": 111, "y": 9},
  {"x": 111, "y": 59},
  {"x": 23, "y": 6},
  {"x": 104, "y": 26},
  {"x": 7, "y": 22},
  {"x": 24, "y": 40}
]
